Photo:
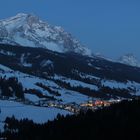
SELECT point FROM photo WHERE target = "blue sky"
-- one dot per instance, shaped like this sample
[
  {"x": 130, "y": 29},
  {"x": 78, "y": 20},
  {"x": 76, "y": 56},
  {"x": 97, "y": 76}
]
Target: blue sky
[{"x": 111, "y": 27}]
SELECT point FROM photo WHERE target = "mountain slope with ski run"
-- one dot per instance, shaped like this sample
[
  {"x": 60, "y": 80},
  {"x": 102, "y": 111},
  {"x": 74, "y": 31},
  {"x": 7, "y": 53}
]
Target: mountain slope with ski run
[{"x": 29, "y": 30}]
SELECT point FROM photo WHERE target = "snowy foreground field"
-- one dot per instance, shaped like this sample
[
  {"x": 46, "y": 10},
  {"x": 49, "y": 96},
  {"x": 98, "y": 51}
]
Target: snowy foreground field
[{"x": 21, "y": 111}]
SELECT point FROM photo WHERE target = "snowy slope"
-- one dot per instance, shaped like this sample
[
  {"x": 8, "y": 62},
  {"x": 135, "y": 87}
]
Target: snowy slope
[
  {"x": 22, "y": 111},
  {"x": 29, "y": 82},
  {"x": 129, "y": 59},
  {"x": 29, "y": 30},
  {"x": 68, "y": 95}
]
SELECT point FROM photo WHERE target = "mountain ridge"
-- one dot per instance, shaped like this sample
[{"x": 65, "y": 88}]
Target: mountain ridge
[
  {"x": 29, "y": 30},
  {"x": 129, "y": 59}
]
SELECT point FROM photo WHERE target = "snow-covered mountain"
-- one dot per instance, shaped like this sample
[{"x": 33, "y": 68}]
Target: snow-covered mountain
[
  {"x": 129, "y": 59},
  {"x": 38, "y": 79},
  {"x": 29, "y": 30}
]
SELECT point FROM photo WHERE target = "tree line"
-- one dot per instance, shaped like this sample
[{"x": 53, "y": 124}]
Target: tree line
[
  {"x": 11, "y": 87},
  {"x": 119, "y": 121}
]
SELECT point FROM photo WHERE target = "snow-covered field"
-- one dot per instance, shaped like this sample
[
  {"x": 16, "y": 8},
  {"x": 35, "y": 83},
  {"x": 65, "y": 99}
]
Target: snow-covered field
[
  {"x": 21, "y": 111},
  {"x": 76, "y": 83},
  {"x": 72, "y": 96}
]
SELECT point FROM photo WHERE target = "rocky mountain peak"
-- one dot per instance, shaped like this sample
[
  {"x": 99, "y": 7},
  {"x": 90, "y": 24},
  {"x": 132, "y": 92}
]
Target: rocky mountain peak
[
  {"x": 29, "y": 30},
  {"x": 129, "y": 59}
]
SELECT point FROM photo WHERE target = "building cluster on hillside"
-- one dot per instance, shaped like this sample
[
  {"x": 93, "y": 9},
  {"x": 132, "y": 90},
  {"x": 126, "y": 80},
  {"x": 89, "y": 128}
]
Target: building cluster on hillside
[
  {"x": 99, "y": 103},
  {"x": 96, "y": 103},
  {"x": 76, "y": 108},
  {"x": 72, "y": 106}
]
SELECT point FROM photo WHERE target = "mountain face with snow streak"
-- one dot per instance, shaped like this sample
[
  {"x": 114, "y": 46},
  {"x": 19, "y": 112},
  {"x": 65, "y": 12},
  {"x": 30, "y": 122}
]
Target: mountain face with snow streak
[
  {"x": 29, "y": 30},
  {"x": 129, "y": 59}
]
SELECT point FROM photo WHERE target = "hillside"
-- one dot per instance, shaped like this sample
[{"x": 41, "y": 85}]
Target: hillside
[{"x": 45, "y": 70}]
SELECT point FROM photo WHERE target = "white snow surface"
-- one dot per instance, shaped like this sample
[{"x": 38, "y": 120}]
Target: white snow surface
[
  {"x": 76, "y": 83},
  {"x": 114, "y": 84},
  {"x": 32, "y": 97},
  {"x": 4, "y": 68},
  {"x": 129, "y": 59},
  {"x": 28, "y": 30},
  {"x": 45, "y": 63},
  {"x": 21, "y": 111},
  {"x": 29, "y": 82},
  {"x": 7, "y": 53}
]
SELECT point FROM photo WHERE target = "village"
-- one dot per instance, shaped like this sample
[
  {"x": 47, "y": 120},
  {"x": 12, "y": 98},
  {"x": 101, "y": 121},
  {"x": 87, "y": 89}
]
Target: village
[
  {"x": 92, "y": 104},
  {"x": 76, "y": 108}
]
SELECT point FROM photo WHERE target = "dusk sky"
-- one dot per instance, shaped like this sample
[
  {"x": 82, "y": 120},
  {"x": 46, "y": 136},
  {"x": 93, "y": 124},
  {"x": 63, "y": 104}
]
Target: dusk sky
[{"x": 111, "y": 27}]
